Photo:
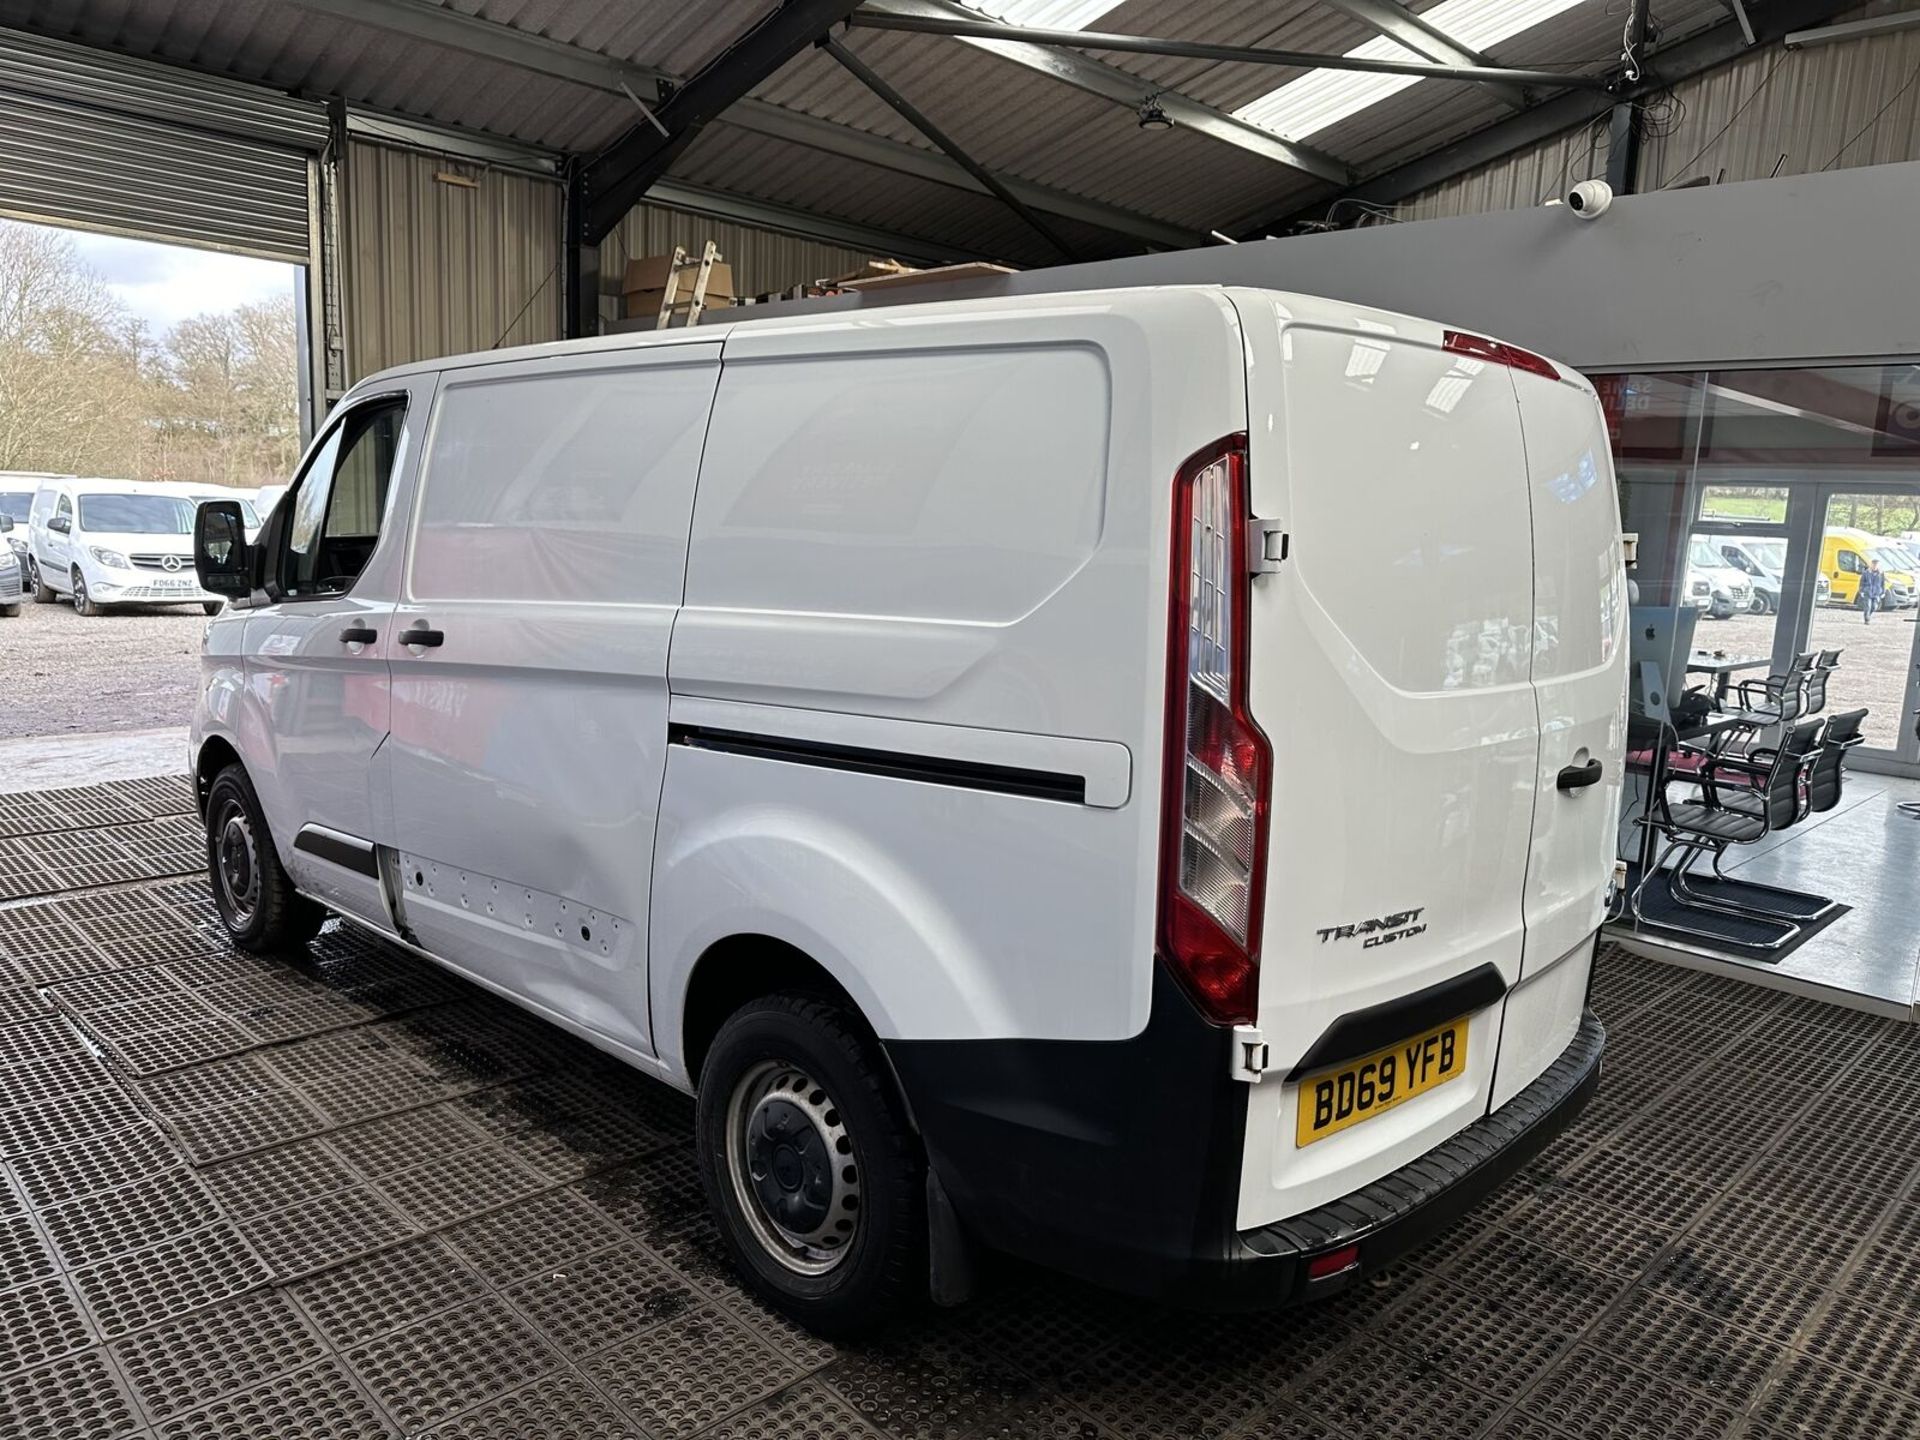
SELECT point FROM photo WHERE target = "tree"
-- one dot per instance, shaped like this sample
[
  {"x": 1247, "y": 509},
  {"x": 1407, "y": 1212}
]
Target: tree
[
  {"x": 226, "y": 409},
  {"x": 82, "y": 388},
  {"x": 70, "y": 361}
]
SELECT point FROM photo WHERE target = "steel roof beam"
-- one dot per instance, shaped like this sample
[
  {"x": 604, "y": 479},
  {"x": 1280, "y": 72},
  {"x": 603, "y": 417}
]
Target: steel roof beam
[
  {"x": 769, "y": 215},
  {"x": 617, "y": 179},
  {"x": 424, "y": 20},
  {"x": 779, "y": 123},
  {"x": 1664, "y": 68},
  {"x": 895, "y": 15},
  {"x": 907, "y": 111},
  {"x": 1109, "y": 83},
  {"x": 1400, "y": 25}
]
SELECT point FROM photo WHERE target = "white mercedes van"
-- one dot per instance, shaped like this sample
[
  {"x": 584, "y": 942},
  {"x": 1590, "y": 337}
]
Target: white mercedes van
[
  {"x": 958, "y": 743},
  {"x": 111, "y": 542}
]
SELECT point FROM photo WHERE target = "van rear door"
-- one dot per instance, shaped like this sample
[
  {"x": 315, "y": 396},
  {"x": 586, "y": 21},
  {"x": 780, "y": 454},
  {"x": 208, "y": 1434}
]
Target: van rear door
[
  {"x": 1579, "y": 679},
  {"x": 1390, "y": 670}
]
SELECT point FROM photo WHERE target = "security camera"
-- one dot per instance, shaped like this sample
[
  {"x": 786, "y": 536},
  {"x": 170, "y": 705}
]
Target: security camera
[{"x": 1590, "y": 199}]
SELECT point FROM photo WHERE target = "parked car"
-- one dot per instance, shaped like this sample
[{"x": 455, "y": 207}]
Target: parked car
[
  {"x": 1042, "y": 835},
  {"x": 1729, "y": 592},
  {"x": 1846, "y": 553},
  {"x": 12, "y": 577},
  {"x": 1763, "y": 560},
  {"x": 16, "y": 500},
  {"x": 110, "y": 542}
]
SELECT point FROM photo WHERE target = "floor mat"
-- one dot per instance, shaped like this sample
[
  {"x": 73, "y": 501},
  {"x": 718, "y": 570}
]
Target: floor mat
[{"x": 1662, "y": 914}]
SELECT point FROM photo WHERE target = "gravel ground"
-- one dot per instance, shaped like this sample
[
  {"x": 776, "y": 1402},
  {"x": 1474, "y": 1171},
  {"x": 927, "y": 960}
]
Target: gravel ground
[
  {"x": 1874, "y": 665},
  {"x": 130, "y": 669}
]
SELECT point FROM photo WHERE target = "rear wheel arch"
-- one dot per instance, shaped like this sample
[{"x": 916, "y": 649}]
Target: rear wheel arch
[{"x": 740, "y": 969}]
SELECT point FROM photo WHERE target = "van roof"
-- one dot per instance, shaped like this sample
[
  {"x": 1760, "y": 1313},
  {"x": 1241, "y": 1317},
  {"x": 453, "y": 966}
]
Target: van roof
[{"x": 1314, "y": 307}]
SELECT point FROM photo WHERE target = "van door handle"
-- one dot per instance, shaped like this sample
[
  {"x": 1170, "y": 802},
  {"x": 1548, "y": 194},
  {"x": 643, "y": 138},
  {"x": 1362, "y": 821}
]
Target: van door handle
[
  {"x": 1578, "y": 777},
  {"x": 358, "y": 635},
  {"x": 421, "y": 635}
]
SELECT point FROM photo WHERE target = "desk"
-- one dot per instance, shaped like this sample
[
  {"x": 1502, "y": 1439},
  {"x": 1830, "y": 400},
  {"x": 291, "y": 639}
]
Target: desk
[{"x": 1722, "y": 668}]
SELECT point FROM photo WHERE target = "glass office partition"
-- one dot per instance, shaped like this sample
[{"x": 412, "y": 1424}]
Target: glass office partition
[{"x": 1806, "y": 482}]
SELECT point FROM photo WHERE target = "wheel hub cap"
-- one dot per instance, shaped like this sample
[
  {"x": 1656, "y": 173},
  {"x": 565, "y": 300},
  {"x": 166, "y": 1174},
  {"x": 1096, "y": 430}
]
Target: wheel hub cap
[
  {"x": 793, "y": 1169},
  {"x": 236, "y": 863}
]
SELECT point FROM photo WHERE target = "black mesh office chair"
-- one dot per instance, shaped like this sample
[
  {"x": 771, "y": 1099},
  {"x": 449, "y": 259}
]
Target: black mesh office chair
[{"x": 1742, "y": 799}]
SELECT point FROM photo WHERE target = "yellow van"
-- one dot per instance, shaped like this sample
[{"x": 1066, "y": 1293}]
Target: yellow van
[{"x": 1844, "y": 556}]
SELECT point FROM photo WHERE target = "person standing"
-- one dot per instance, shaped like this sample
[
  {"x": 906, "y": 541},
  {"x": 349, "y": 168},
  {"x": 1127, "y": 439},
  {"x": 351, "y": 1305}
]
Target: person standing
[{"x": 1873, "y": 589}]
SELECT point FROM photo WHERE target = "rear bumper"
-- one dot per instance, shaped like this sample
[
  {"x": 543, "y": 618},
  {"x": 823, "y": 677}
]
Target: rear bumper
[{"x": 1120, "y": 1161}]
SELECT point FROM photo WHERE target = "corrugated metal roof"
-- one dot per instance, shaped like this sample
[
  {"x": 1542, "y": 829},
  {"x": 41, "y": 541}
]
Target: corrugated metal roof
[{"x": 1012, "y": 119}]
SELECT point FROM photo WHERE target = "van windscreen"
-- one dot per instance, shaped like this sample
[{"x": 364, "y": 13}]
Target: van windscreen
[{"x": 137, "y": 514}]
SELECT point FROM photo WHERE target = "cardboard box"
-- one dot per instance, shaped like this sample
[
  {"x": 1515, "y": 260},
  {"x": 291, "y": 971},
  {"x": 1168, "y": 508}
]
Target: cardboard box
[
  {"x": 651, "y": 272},
  {"x": 645, "y": 304}
]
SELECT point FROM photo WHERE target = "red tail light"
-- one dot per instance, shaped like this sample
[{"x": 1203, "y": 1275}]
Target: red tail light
[
  {"x": 1213, "y": 847},
  {"x": 1499, "y": 353}
]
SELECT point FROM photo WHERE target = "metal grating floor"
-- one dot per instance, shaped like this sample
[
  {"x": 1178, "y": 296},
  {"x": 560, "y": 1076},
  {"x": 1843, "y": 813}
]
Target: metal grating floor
[{"x": 358, "y": 1197}]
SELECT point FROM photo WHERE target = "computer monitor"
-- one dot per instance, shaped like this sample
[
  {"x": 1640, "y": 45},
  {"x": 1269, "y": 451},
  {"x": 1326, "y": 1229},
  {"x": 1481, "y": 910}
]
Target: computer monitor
[{"x": 1661, "y": 645}]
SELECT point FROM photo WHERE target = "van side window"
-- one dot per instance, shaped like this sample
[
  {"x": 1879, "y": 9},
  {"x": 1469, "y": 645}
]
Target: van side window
[
  {"x": 561, "y": 486},
  {"x": 65, "y": 507},
  {"x": 1849, "y": 562},
  {"x": 339, "y": 503}
]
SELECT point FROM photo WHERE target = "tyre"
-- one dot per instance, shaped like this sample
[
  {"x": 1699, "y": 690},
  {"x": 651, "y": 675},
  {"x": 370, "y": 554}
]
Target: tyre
[
  {"x": 43, "y": 593},
  {"x": 212, "y": 607},
  {"x": 1761, "y": 605},
  {"x": 82, "y": 601},
  {"x": 256, "y": 899},
  {"x": 12, "y": 612},
  {"x": 817, "y": 1179}
]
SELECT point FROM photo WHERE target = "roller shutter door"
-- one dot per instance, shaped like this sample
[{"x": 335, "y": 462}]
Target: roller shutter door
[{"x": 102, "y": 142}]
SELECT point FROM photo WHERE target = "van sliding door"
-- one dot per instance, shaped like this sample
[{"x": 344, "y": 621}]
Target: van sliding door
[{"x": 529, "y": 670}]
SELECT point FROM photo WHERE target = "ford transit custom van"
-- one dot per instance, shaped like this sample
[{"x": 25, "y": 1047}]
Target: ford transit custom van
[{"x": 959, "y": 744}]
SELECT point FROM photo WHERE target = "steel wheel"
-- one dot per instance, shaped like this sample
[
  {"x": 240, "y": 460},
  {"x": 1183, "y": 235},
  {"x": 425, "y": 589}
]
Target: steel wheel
[
  {"x": 790, "y": 1161},
  {"x": 236, "y": 858}
]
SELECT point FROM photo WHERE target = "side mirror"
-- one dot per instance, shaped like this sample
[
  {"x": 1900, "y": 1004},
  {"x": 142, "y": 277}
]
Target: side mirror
[
  {"x": 60, "y": 525},
  {"x": 221, "y": 556}
]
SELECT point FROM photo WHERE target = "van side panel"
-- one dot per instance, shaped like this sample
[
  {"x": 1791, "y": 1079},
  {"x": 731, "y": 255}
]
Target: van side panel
[
  {"x": 1390, "y": 670},
  {"x": 548, "y": 548},
  {"x": 950, "y": 527}
]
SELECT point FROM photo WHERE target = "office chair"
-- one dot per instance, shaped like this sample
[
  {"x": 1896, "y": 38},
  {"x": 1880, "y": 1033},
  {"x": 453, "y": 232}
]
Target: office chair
[{"x": 1742, "y": 799}]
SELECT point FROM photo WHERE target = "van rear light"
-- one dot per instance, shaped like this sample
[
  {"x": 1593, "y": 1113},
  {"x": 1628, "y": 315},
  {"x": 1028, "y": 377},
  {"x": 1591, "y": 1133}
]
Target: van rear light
[
  {"x": 1213, "y": 847},
  {"x": 1499, "y": 352}
]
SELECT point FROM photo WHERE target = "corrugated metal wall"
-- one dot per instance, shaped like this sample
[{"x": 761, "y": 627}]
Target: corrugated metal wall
[
  {"x": 1773, "y": 111},
  {"x": 438, "y": 269},
  {"x": 762, "y": 260},
  {"x": 1526, "y": 177}
]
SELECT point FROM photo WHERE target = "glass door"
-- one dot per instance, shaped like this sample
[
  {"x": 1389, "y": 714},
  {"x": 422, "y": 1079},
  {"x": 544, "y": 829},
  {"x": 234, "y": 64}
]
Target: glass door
[{"x": 1870, "y": 566}]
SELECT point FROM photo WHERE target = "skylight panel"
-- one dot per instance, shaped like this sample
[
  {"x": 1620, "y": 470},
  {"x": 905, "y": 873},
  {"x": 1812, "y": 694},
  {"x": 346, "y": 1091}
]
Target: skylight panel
[
  {"x": 1321, "y": 98},
  {"x": 1047, "y": 14}
]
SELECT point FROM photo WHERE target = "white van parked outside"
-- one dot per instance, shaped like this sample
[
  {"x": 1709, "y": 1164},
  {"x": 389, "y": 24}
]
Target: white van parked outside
[
  {"x": 959, "y": 744},
  {"x": 113, "y": 542}
]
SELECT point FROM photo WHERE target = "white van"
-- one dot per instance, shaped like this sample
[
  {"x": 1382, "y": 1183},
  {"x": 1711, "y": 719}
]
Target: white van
[
  {"x": 113, "y": 542},
  {"x": 959, "y": 744}
]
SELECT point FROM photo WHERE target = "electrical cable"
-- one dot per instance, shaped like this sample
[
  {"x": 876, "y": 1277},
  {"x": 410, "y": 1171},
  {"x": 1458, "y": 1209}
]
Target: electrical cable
[
  {"x": 1877, "y": 116},
  {"x": 521, "y": 312},
  {"x": 1758, "y": 91}
]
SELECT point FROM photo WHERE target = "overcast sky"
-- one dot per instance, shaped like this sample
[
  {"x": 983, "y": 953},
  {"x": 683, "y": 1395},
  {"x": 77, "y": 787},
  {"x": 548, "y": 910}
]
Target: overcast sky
[{"x": 164, "y": 284}]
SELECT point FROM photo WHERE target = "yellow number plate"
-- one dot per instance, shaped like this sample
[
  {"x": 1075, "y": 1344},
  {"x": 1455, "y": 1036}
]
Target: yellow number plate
[{"x": 1335, "y": 1099}]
